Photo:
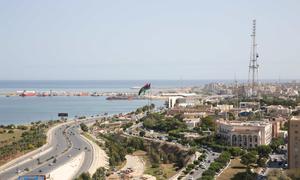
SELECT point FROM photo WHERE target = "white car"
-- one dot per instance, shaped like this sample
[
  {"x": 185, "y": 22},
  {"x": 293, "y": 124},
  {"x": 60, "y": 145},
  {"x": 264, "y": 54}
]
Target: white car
[{"x": 18, "y": 171}]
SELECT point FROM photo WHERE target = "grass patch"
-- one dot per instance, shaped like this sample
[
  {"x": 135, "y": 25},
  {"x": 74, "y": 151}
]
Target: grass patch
[
  {"x": 160, "y": 171},
  {"x": 234, "y": 167},
  {"x": 7, "y": 138}
]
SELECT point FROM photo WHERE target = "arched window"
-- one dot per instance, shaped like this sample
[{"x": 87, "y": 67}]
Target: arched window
[{"x": 255, "y": 139}]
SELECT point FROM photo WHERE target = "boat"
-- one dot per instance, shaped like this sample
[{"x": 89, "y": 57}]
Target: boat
[
  {"x": 28, "y": 93},
  {"x": 119, "y": 98},
  {"x": 135, "y": 87}
]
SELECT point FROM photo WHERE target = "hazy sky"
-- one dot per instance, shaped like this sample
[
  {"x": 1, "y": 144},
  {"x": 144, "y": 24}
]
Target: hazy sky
[{"x": 147, "y": 39}]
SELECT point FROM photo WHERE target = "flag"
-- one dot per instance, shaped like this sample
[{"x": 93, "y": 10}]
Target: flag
[{"x": 145, "y": 88}]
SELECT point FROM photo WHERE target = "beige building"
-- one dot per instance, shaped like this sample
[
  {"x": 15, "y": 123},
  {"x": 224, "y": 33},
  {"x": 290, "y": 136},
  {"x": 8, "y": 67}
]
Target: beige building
[
  {"x": 191, "y": 123},
  {"x": 278, "y": 110},
  {"x": 245, "y": 134},
  {"x": 224, "y": 107},
  {"x": 294, "y": 143},
  {"x": 277, "y": 124}
]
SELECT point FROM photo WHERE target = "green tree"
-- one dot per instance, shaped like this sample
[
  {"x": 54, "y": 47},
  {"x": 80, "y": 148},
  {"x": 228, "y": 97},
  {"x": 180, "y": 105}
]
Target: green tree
[
  {"x": 84, "y": 176},
  {"x": 248, "y": 158},
  {"x": 215, "y": 166},
  {"x": 207, "y": 123},
  {"x": 261, "y": 162},
  {"x": 99, "y": 174},
  {"x": 236, "y": 151},
  {"x": 276, "y": 142},
  {"x": 84, "y": 127},
  {"x": 152, "y": 106},
  {"x": 248, "y": 175},
  {"x": 264, "y": 150},
  {"x": 207, "y": 178},
  {"x": 142, "y": 133},
  {"x": 10, "y": 131}
]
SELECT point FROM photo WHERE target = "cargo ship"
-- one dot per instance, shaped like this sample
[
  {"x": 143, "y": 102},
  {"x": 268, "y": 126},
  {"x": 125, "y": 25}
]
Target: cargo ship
[
  {"x": 119, "y": 98},
  {"x": 28, "y": 93}
]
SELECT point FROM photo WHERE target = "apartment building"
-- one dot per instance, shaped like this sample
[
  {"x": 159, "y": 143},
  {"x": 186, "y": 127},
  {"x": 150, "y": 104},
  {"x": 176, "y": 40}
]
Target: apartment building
[{"x": 294, "y": 143}]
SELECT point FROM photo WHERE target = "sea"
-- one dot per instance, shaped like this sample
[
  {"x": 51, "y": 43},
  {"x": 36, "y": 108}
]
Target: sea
[{"x": 23, "y": 110}]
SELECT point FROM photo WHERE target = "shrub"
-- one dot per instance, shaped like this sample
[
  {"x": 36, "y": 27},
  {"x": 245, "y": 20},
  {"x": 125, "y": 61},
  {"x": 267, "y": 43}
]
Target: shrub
[{"x": 11, "y": 131}]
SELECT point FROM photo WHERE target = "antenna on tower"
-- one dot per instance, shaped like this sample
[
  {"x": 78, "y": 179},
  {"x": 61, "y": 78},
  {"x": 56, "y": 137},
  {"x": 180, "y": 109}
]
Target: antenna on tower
[{"x": 253, "y": 66}]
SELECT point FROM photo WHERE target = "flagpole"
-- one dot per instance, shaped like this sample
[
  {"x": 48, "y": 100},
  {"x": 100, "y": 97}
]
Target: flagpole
[{"x": 149, "y": 100}]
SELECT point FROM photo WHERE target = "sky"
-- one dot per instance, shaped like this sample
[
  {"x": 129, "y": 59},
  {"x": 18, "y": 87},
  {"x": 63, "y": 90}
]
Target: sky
[{"x": 142, "y": 39}]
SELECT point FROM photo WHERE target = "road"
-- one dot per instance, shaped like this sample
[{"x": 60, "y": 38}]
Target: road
[
  {"x": 154, "y": 138},
  {"x": 211, "y": 156},
  {"x": 276, "y": 162},
  {"x": 66, "y": 142}
]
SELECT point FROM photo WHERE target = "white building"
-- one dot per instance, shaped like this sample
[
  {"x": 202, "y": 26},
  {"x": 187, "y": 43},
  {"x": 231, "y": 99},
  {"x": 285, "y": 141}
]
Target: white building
[
  {"x": 182, "y": 101},
  {"x": 172, "y": 101},
  {"x": 245, "y": 134},
  {"x": 224, "y": 107},
  {"x": 192, "y": 123}
]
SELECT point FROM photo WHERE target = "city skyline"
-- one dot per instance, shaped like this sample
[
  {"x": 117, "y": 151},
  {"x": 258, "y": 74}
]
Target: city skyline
[{"x": 135, "y": 40}]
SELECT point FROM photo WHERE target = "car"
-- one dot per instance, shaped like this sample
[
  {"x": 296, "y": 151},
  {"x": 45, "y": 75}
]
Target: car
[
  {"x": 69, "y": 155},
  {"x": 208, "y": 161},
  {"x": 18, "y": 171},
  {"x": 40, "y": 171},
  {"x": 51, "y": 164}
]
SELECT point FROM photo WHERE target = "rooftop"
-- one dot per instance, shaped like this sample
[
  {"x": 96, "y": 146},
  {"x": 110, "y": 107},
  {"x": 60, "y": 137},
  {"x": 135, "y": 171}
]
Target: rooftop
[{"x": 245, "y": 123}]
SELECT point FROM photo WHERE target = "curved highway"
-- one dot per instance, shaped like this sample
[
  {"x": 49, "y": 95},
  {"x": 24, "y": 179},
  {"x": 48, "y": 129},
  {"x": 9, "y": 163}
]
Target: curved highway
[{"x": 66, "y": 142}]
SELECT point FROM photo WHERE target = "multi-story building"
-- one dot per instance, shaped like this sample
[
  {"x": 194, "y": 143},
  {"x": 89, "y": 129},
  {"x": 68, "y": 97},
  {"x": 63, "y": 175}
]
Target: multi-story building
[
  {"x": 278, "y": 110},
  {"x": 249, "y": 105},
  {"x": 191, "y": 123},
  {"x": 245, "y": 134},
  {"x": 277, "y": 124},
  {"x": 294, "y": 143}
]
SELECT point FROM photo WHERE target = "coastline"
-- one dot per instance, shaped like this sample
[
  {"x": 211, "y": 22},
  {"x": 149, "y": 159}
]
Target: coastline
[{"x": 19, "y": 110}]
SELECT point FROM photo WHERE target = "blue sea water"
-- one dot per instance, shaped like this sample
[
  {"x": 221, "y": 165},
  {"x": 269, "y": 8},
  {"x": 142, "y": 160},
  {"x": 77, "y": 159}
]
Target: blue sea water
[
  {"x": 23, "y": 110},
  {"x": 19, "y": 110}
]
